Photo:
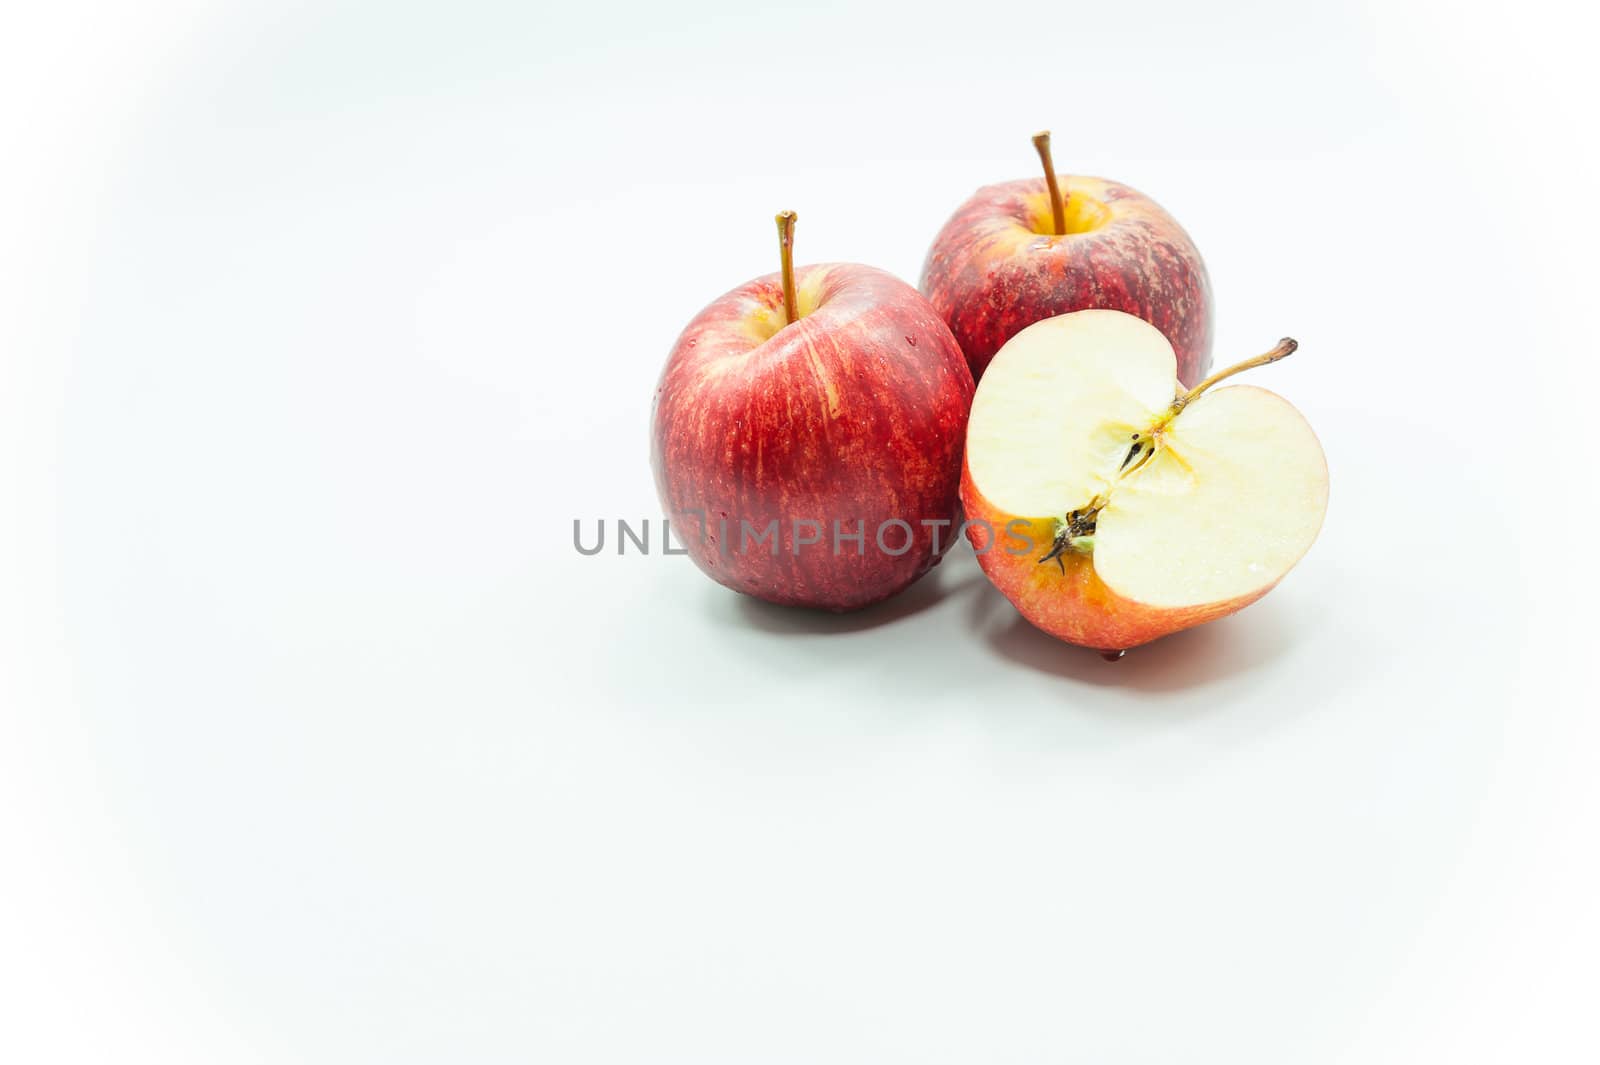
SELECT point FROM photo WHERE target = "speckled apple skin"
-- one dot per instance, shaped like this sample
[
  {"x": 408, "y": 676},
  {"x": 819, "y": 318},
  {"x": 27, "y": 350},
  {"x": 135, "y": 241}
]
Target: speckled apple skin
[
  {"x": 856, "y": 412},
  {"x": 990, "y": 274},
  {"x": 1071, "y": 603}
]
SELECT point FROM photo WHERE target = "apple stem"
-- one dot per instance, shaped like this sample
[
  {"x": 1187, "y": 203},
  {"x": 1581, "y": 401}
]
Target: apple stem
[
  {"x": 786, "y": 220},
  {"x": 1285, "y": 348},
  {"x": 1058, "y": 208}
]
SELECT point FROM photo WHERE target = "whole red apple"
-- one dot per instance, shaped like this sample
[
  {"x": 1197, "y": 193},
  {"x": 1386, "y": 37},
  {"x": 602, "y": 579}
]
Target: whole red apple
[
  {"x": 807, "y": 435},
  {"x": 1023, "y": 251}
]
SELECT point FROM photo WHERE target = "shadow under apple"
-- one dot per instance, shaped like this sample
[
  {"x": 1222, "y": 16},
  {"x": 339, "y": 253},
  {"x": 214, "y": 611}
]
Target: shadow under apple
[
  {"x": 1190, "y": 659},
  {"x": 941, "y": 583}
]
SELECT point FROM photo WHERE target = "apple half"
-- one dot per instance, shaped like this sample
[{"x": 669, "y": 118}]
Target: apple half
[{"x": 1111, "y": 505}]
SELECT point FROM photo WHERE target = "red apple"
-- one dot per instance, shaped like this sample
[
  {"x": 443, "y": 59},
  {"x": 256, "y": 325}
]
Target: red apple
[
  {"x": 1023, "y": 251},
  {"x": 1111, "y": 513},
  {"x": 807, "y": 435}
]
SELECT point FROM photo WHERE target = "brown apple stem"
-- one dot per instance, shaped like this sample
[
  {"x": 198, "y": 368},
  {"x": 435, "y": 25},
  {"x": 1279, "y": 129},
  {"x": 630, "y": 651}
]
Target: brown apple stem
[
  {"x": 786, "y": 220},
  {"x": 1058, "y": 209},
  {"x": 1285, "y": 348}
]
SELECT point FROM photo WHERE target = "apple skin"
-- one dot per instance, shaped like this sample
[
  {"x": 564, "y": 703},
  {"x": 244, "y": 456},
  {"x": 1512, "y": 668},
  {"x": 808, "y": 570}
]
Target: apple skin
[
  {"x": 855, "y": 412},
  {"x": 996, "y": 268},
  {"x": 1075, "y": 606}
]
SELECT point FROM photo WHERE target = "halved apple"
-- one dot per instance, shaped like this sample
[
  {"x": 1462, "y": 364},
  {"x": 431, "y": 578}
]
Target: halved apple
[{"x": 1125, "y": 507}]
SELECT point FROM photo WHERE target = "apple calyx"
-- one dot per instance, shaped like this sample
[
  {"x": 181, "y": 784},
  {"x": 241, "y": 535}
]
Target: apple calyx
[
  {"x": 1058, "y": 207},
  {"x": 1075, "y": 530},
  {"x": 786, "y": 221}
]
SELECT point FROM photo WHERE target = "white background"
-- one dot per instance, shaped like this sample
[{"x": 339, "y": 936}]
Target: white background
[{"x": 319, "y": 325}]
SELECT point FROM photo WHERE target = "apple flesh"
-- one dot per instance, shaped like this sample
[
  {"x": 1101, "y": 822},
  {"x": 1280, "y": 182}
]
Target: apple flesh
[
  {"x": 1142, "y": 513},
  {"x": 998, "y": 266},
  {"x": 854, "y": 412}
]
